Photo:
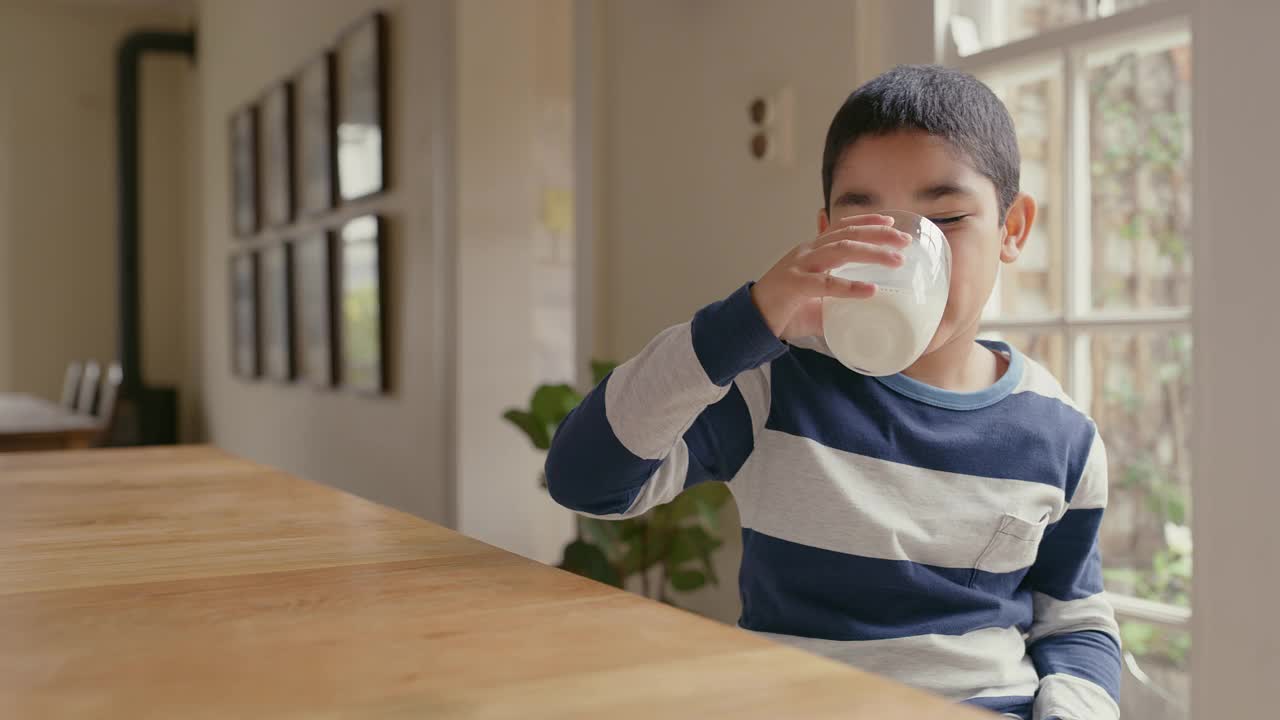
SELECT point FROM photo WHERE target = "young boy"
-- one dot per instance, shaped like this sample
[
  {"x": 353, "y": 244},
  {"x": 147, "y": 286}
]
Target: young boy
[{"x": 939, "y": 526}]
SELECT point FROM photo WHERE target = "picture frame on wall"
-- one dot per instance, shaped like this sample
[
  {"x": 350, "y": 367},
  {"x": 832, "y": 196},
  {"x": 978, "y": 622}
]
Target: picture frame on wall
[
  {"x": 277, "y": 311},
  {"x": 244, "y": 314},
  {"x": 315, "y": 122},
  {"x": 360, "y": 96},
  {"x": 313, "y": 286},
  {"x": 361, "y": 293},
  {"x": 276, "y": 118},
  {"x": 243, "y": 127}
]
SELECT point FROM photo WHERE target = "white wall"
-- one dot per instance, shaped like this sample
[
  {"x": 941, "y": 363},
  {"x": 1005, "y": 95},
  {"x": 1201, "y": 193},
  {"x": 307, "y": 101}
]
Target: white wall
[
  {"x": 392, "y": 449},
  {"x": 513, "y": 73},
  {"x": 1236, "y": 656},
  {"x": 58, "y": 192}
]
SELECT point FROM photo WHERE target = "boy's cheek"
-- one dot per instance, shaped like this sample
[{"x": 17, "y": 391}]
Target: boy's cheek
[{"x": 964, "y": 304}]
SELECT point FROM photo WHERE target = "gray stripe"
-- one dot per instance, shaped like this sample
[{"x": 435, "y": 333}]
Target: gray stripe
[
  {"x": 653, "y": 398},
  {"x": 755, "y": 388},
  {"x": 988, "y": 662},
  {"x": 1091, "y": 491},
  {"x": 1054, "y": 616},
  {"x": 798, "y": 490}
]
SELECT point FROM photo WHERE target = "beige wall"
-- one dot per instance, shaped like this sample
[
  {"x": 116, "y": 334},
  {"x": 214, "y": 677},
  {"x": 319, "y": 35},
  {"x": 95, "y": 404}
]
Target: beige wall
[
  {"x": 58, "y": 192},
  {"x": 1237, "y": 340},
  {"x": 393, "y": 449}
]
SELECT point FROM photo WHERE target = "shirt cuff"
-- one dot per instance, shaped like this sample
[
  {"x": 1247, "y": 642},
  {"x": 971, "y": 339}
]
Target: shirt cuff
[{"x": 731, "y": 337}]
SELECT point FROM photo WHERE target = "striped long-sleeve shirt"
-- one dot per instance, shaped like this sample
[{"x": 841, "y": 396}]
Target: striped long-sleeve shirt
[{"x": 947, "y": 540}]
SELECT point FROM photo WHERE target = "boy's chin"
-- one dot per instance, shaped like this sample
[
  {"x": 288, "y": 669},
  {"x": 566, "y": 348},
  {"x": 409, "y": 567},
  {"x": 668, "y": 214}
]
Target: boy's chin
[
  {"x": 946, "y": 334},
  {"x": 941, "y": 338}
]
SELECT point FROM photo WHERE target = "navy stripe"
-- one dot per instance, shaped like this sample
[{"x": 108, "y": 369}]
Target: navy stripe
[
  {"x": 1089, "y": 654},
  {"x": 1026, "y": 436},
  {"x": 730, "y": 337},
  {"x": 1068, "y": 565},
  {"x": 588, "y": 469},
  {"x": 1076, "y": 474},
  {"x": 1006, "y": 704},
  {"x": 800, "y": 590},
  {"x": 720, "y": 440}
]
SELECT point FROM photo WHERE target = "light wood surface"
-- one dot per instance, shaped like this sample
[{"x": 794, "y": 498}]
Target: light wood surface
[
  {"x": 186, "y": 583},
  {"x": 31, "y": 423}
]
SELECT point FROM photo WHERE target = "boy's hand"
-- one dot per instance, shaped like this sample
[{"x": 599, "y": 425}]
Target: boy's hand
[{"x": 789, "y": 296}]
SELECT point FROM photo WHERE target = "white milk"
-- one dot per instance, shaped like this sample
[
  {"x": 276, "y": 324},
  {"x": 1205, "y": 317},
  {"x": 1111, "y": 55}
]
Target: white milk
[{"x": 884, "y": 334}]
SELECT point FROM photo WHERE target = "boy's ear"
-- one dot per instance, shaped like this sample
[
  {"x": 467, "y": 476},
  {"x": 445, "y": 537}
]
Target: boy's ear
[
  {"x": 1017, "y": 226},
  {"x": 823, "y": 221}
]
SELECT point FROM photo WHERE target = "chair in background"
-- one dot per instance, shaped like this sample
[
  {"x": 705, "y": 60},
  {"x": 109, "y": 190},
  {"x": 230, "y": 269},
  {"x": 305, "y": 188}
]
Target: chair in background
[
  {"x": 88, "y": 392},
  {"x": 71, "y": 384},
  {"x": 106, "y": 413}
]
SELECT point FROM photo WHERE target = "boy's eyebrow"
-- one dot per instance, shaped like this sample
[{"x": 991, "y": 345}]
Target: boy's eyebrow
[
  {"x": 850, "y": 197},
  {"x": 941, "y": 190},
  {"x": 937, "y": 191}
]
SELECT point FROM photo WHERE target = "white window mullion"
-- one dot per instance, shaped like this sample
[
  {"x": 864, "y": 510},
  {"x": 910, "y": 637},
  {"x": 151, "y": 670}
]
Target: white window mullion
[{"x": 1078, "y": 259}]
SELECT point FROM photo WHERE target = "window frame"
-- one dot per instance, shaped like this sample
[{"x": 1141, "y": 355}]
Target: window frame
[{"x": 1068, "y": 49}]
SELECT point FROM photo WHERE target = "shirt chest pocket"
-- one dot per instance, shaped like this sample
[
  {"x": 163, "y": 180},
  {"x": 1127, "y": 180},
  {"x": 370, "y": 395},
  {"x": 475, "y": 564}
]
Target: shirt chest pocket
[{"x": 1013, "y": 547}]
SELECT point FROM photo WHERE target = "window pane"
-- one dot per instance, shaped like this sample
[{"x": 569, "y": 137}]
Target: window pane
[
  {"x": 1141, "y": 400},
  {"x": 1140, "y": 160},
  {"x": 1159, "y": 687},
  {"x": 1046, "y": 348},
  {"x": 1032, "y": 286},
  {"x": 983, "y": 24},
  {"x": 977, "y": 25}
]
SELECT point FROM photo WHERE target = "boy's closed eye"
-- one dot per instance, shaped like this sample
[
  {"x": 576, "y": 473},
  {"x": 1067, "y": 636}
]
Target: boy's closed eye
[{"x": 949, "y": 220}]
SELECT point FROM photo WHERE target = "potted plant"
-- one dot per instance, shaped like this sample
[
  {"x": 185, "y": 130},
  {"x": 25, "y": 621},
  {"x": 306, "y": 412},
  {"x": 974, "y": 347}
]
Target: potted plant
[{"x": 670, "y": 547}]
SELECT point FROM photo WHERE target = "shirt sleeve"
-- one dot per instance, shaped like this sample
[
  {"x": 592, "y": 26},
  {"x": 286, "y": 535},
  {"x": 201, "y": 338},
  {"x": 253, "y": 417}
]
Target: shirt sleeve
[
  {"x": 683, "y": 411},
  {"x": 1074, "y": 641}
]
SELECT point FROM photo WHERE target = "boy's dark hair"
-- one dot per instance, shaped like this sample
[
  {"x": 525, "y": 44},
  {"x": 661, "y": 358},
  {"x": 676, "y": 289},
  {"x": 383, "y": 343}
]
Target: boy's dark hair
[{"x": 948, "y": 103}]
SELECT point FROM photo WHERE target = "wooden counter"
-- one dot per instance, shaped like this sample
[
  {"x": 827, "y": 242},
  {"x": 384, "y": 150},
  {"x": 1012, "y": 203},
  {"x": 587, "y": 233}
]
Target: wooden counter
[{"x": 183, "y": 582}]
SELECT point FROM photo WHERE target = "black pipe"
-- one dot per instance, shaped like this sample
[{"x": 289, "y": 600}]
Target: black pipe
[{"x": 128, "y": 67}]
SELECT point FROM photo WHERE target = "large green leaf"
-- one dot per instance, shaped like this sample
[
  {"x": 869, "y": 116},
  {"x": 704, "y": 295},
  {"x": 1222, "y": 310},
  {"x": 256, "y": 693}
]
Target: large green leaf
[
  {"x": 532, "y": 427},
  {"x": 632, "y": 527},
  {"x": 685, "y": 505},
  {"x": 587, "y": 560},
  {"x": 1137, "y": 636},
  {"x": 604, "y": 534},
  {"x": 646, "y": 546},
  {"x": 689, "y": 543},
  {"x": 632, "y": 560},
  {"x": 708, "y": 514},
  {"x": 631, "y": 534},
  {"x": 715, "y": 494},
  {"x": 698, "y": 500},
  {"x": 551, "y": 403},
  {"x": 687, "y": 580},
  {"x": 708, "y": 566}
]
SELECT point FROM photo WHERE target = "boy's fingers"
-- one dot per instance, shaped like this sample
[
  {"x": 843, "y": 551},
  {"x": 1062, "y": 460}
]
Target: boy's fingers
[
  {"x": 864, "y": 233},
  {"x": 824, "y": 285},
  {"x": 868, "y": 219},
  {"x": 841, "y": 252}
]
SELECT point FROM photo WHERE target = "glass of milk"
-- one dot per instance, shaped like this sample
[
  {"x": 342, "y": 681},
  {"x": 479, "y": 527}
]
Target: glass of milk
[{"x": 885, "y": 334}]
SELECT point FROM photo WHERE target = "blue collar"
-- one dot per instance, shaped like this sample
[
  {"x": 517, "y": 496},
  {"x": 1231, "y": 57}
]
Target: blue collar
[{"x": 950, "y": 400}]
